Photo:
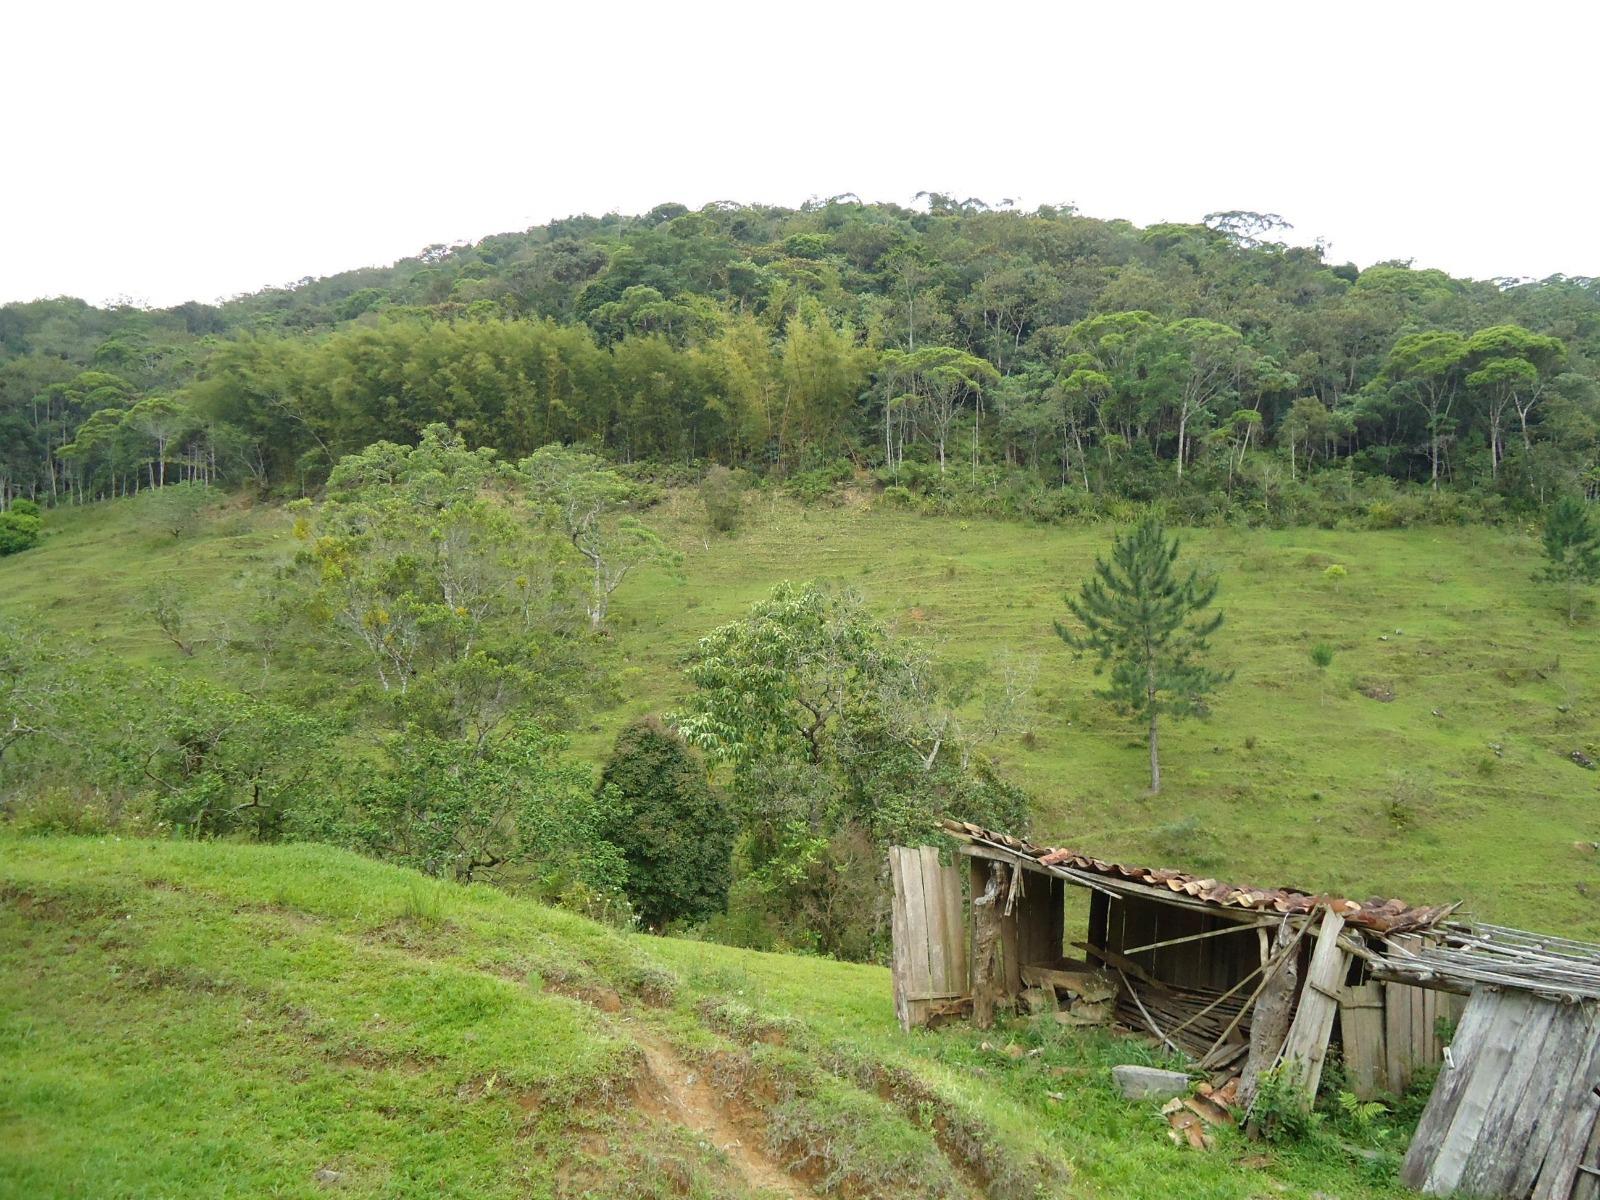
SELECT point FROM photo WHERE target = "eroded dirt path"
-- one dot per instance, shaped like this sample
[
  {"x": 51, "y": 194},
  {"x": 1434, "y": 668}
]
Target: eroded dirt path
[{"x": 687, "y": 1100}]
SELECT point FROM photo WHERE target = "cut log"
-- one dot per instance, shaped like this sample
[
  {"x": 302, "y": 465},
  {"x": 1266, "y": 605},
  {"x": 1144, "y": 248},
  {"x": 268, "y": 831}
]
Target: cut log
[
  {"x": 988, "y": 885},
  {"x": 1269, "y": 1024}
]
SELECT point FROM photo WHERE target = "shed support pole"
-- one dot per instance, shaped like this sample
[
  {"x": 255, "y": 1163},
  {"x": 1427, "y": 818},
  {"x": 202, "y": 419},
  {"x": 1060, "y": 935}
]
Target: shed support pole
[
  {"x": 1307, "y": 1044},
  {"x": 988, "y": 887}
]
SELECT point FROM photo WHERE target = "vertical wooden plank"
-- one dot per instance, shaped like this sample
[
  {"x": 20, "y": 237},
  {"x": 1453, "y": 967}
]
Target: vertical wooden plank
[
  {"x": 1397, "y": 1034},
  {"x": 1577, "y": 1139},
  {"x": 986, "y": 920},
  {"x": 1306, "y": 1047},
  {"x": 1269, "y": 1022},
  {"x": 1010, "y": 943},
  {"x": 956, "y": 930},
  {"x": 1554, "y": 1089},
  {"x": 1361, "y": 1031},
  {"x": 1440, "y": 1112},
  {"x": 1099, "y": 919},
  {"x": 918, "y": 981},
  {"x": 931, "y": 887},
  {"x": 900, "y": 969}
]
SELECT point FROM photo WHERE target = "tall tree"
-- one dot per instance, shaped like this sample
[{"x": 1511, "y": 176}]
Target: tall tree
[
  {"x": 1426, "y": 369},
  {"x": 1571, "y": 550},
  {"x": 590, "y": 505},
  {"x": 1146, "y": 624}
]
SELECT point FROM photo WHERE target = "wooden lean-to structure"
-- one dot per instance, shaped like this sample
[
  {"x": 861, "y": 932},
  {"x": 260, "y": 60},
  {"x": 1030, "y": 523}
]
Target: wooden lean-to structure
[{"x": 1242, "y": 980}]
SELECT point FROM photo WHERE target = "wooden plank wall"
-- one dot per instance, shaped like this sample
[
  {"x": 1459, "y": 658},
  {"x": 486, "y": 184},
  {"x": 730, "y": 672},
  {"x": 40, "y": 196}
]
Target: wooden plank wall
[
  {"x": 1216, "y": 963},
  {"x": 929, "y": 931},
  {"x": 1388, "y": 1030},
  {"x": 1514, "y": 1110}
]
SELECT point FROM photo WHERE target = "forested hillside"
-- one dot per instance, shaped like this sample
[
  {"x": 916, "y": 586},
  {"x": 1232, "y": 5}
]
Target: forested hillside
[{"x": 1040, "y": 363}]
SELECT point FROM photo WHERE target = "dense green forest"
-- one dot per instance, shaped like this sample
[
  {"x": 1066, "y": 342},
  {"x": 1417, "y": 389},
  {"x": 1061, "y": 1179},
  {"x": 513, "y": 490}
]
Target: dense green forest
[
  {"x": 479, "y": 447},
  {"x": 1038, "y": 363}
]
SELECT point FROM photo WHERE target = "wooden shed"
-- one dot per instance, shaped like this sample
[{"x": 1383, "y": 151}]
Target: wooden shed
[{"x": 1240, "y": 979}]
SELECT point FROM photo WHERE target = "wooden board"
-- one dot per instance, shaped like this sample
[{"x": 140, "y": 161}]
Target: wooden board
[
  {"x": 1514, "y": 1109},
  {"x": 1361, "y": 1035},
  {"x": 1306, "y": 1047},
  {"x": 929, "y": 931}
]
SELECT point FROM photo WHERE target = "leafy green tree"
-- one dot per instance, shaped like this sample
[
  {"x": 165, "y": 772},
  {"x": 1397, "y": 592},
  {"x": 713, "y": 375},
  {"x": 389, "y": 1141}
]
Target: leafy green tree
[
  {"x": 507, "y": 808},
  {"x": 222, "y": 763},
  {"x": 421, "y": 564},
  {"x": 1426, "y": 369},
  {"x": 1510, "y": 368},
  {"x": 833, "y": 733},
  {"x": 782, "y": 679},
  {"x": 674, "y": 831},
  {"x": 1145, "y": 623},
  {"x": 590, "y": 504},
  {"x": 1571, "y": 550},
  {"x": 175, "y": 510}
]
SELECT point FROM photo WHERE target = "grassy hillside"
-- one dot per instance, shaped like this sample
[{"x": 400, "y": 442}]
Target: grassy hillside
[
  {"x": 182, "y": 1020},
  {"x": 1459, "y": 787}
]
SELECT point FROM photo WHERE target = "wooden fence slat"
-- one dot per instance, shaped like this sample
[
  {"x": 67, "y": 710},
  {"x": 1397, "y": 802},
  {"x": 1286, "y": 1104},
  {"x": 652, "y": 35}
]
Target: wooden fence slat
[
  {"x": 919, "y": 980},
  {"x": 1577, "y": 1140},
  {"x": 1538, "y": 1120},
  {"x": 960, "y": 975},
  {"x": 900, "y": 961}
]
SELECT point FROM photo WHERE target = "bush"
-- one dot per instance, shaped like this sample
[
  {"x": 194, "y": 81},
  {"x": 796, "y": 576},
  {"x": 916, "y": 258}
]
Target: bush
[
  {"x": 673, "y": 829},
  {"x": 722, "y": 493},
  {"x": 19, "y": 531},
  {"x": 25, "y": 508}
]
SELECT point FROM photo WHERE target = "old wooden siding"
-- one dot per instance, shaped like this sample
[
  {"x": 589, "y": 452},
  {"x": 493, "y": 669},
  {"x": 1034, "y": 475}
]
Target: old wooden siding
[
  {"x": 929, "y": 931},
  {"x": 1388, "y": 1031},
  {"x": 1514, "y": 1110},
  {"x": 1215, "y": 963}
]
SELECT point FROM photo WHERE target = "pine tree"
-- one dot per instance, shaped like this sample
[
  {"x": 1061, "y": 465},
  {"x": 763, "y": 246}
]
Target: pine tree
[
  {"x": 1571, "y": 550},
  {"x": 1145, "y": 623}
]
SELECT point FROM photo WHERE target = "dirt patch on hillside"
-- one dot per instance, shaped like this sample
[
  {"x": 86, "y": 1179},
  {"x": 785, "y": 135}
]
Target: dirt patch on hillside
[{"x": 678, "y": 1093}]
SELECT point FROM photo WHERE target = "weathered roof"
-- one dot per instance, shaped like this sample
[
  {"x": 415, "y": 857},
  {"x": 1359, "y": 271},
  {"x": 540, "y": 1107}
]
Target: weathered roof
[
  {"x": 1379, "y": 915},
  {"x": 1467, "y": 956}
]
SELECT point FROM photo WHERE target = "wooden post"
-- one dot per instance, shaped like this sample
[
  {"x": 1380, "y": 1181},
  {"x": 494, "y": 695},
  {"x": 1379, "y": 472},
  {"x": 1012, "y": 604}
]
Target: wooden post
[
  {"x": 1306, "y": 1047},
  {"x": 1269, "y": 1024},
  {"x": 988, "y": 897}
]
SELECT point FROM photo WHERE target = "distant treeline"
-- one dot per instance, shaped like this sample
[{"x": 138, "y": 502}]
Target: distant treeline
[{"x": 954, "y": 349}]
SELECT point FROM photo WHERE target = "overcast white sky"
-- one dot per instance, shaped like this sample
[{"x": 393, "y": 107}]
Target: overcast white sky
[{"x": 165, "y": 151}]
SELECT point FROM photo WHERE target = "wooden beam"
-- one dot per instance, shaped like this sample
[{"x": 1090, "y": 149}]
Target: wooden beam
[
  {"x": 1195, "y": 937},
  {"x": 1306, "y": 1047}
]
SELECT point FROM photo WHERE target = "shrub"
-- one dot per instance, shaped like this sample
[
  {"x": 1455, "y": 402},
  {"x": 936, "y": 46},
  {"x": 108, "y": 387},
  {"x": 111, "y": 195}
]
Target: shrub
[
  {"x": 722, "y": 493},
  {"x": 1322, "y": 655},
  {"x": 673, "y": 829},
  {"x": 18, "y": 532}
]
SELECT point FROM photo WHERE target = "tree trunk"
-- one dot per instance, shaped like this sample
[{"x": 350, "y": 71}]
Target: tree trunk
[
  {"x": 1155, "y": 757},
  {"x": 1183, "y": 426}
]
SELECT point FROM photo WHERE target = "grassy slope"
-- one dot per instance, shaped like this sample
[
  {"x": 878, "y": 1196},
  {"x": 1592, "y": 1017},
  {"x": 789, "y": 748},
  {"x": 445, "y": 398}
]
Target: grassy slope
[
  {"x": 215, "y": 1020},
  {"x": 1297, "y": 778}
]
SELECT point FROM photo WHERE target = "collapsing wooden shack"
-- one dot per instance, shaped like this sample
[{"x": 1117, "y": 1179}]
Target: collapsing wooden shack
[{"x": 1241, "y": 980}]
